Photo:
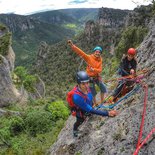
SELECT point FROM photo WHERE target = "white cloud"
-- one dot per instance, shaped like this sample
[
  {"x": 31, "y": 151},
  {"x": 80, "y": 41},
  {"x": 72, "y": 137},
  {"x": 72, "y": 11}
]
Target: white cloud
[{"x": 29, "y": 6}]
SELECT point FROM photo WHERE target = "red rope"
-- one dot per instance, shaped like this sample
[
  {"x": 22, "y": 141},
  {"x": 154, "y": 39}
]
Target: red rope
[
  {"x": 139, "y": 143},
  {"x": 144, "y": 141},
  {"x": 143, "y": 115}
]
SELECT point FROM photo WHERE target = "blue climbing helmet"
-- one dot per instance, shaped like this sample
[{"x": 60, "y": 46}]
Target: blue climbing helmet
[
  {"x": 98, "y": 48},
  {"x": 82, "y": 76}
]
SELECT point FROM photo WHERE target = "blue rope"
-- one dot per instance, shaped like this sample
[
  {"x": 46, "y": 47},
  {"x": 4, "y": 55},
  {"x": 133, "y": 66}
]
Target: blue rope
[{"x": 123, "y": 98}]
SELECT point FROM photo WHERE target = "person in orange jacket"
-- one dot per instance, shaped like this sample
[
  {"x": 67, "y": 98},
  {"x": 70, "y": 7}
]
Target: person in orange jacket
[{"x": 93, "y": 69}]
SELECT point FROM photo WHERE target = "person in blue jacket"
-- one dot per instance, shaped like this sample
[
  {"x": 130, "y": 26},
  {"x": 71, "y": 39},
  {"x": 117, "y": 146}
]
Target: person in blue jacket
[{"x": 84, "y": 102}]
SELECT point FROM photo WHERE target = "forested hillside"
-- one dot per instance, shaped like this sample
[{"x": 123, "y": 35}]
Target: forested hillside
[
  {"x": 57, "y": 64},
  {"x": 64, "y": 16},
  {"x": 51, "y": 27},
  {"x": 28, "y": 32}
]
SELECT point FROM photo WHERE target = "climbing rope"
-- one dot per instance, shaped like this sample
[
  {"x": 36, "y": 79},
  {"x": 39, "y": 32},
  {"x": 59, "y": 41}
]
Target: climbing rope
[
  {"x": 134, "y": 90},
  {"x": 143, "y": 115},
  {"x": 138, "y": 73},
  {"x": 140, "y": 143},
  {"x": 144, "y": 141},
  {"x": 136, "y": 79}
]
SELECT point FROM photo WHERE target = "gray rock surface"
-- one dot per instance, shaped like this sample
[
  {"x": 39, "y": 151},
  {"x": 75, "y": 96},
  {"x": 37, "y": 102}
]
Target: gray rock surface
[
  {"x": 118, "y": 135},
  {"x": 8, "y": 93}
]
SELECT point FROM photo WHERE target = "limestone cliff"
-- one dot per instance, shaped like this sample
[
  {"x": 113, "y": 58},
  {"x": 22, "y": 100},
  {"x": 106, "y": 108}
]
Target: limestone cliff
[
  {"x": 8, "y": 93},
  {"x": 118, "y": 135}
]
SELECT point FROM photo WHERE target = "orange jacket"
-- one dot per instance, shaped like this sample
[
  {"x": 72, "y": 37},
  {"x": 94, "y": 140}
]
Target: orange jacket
[{"x": 91, "y": 60}]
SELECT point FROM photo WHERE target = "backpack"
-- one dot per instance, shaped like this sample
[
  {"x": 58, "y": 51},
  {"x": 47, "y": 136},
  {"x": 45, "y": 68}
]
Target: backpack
[{"x": 69, "y": 99}]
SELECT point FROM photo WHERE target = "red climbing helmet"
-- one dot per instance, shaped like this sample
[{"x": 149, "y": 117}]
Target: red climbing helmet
[{"x": 131, "y": 51}]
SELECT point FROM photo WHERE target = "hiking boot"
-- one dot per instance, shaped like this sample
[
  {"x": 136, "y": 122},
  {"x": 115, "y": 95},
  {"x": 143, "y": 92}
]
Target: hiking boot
[{"x": 75, "y": 133}]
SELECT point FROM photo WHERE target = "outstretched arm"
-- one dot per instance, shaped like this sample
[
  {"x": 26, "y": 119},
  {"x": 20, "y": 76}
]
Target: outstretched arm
[
  {"x": 104, "y": 113},
  {"x": 79, "y": 101},
  {"x": 78, "y": 51}
]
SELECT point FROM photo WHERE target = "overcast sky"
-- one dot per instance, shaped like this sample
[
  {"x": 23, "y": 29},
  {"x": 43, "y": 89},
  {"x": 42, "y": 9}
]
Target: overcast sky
[{"x": 24, "y": 7}]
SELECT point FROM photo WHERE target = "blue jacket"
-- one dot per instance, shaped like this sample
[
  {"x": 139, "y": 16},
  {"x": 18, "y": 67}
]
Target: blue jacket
[{"x": 85, "y": 104}]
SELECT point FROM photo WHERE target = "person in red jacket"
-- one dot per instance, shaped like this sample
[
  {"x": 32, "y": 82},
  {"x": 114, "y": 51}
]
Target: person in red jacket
[{"x": 93, "y": 69}]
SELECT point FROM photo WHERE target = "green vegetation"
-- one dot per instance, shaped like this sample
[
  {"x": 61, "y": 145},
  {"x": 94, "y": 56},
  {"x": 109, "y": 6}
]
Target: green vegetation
[
  {"x": 71, "y": 26},
  {"x": 34, "y": 131},
  {"x": 25, "y": 79},
  {"x": 2, "y": 27},
  {"x": 40, "y": 122},
  {"x": 58, "y": 110},
  {"x": 25, "y": 44},
  {"x": 4, "y": 40},
  {"x": 131, "y": 37}
]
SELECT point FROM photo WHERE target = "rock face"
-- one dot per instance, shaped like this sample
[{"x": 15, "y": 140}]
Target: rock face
[
  {"x": 40, "y": 90},
  {"x": 140, "y": 16},
  {"x": 8, "y": 93},
  {"x": 10, "y": 58},
  {"x": 118, "y": 135},
  {"x": 111, "y": 17},
  {"x": 106, "y": 30},
  {"x": 17, "y": 23}
]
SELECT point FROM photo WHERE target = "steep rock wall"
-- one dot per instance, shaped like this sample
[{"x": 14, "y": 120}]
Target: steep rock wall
[{"x": 117, "y": 135}]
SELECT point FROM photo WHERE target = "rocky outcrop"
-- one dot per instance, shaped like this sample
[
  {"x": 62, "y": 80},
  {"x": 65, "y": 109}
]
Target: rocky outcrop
[
  {"x": 106, "y": 30},
  {"x": 16, "y": 22},
  {"x": 39, "y": 89},
  {"x": 10, "y": 58},
  {"x": 112, "y": 17},
  {"x": 140, "y": 16},
  {"x": 90, "y": 29},
  {"x": 117, "y": 135},
  {"x": 8, "y": 93}
]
